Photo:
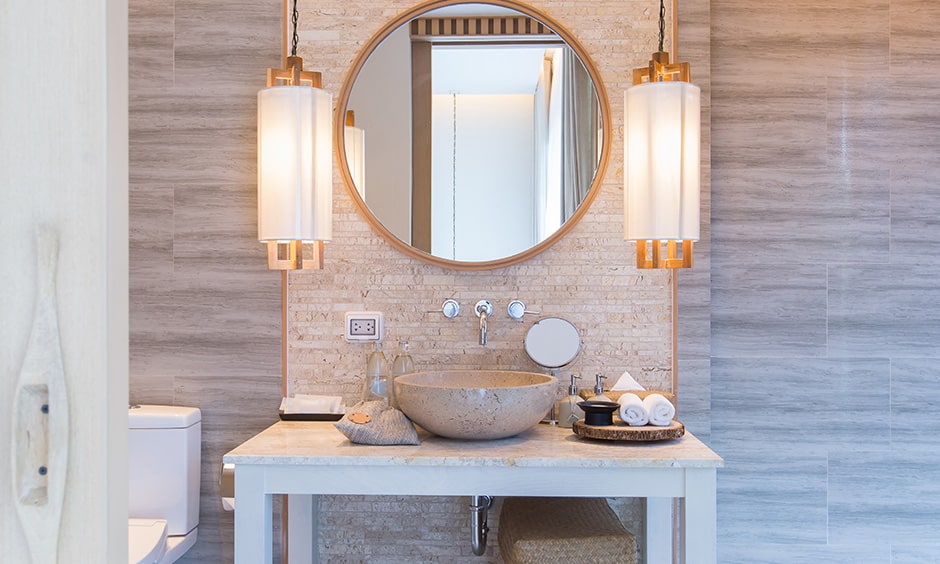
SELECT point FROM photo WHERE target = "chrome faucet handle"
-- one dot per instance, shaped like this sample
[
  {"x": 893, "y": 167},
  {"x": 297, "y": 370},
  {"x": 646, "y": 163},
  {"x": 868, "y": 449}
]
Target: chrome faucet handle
[
  {"x": 483, "y": 306},
  {"x": 449, "y": 309},
  {"x": 517, "y": 310}
]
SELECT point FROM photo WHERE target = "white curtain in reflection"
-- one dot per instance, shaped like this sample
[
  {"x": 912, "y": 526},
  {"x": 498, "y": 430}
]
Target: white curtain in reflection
[
  {"x": 579, "y": 126},
  {"x": 553, "y": 212},
  {"x": 541, "y": 142},
  {"x": 566, "y": 139}
]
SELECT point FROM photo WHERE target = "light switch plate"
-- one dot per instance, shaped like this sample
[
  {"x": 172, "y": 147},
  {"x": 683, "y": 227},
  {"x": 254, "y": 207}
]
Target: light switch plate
[{"x": 364, "y": 326}]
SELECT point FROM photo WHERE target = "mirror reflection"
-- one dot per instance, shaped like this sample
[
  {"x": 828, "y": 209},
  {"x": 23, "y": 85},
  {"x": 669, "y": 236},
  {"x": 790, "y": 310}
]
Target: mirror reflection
[{"x": 481, "y": 130}]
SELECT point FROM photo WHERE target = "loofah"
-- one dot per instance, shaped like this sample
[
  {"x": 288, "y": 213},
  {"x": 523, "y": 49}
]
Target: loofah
[{"x": 375, "y": 423}]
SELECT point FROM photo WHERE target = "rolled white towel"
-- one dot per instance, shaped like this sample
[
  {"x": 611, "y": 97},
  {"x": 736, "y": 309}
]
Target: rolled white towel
[
  {"x": 632, "y": 411},
  {"x": 660, "y": 409}
]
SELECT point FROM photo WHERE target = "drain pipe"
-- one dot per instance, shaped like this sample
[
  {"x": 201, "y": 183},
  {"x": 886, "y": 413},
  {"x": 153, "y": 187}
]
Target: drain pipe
[{"x": 479, "y": 505}]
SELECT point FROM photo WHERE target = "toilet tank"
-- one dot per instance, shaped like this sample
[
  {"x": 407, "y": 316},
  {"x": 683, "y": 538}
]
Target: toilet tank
[{"x": 163, "y": 447}]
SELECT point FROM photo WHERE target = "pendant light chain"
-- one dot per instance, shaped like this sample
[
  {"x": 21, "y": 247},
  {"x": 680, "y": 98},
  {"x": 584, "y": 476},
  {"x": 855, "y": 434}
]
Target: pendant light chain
[
  {"x": 295, "y": 38},
  {"x": 662, "y": 23}
]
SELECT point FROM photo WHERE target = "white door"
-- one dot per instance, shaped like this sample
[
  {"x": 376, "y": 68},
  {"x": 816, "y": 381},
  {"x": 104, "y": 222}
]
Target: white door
[{"x": 63, "y": 270}]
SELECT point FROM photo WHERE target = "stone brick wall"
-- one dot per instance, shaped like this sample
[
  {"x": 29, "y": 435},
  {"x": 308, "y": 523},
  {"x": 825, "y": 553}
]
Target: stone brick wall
[{"x": 589, "y": 278}]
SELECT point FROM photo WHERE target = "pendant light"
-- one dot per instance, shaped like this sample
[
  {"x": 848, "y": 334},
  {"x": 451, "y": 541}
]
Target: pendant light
[
  {"x": 661, "y": 161},
  {"x": 295, "y": 158}
]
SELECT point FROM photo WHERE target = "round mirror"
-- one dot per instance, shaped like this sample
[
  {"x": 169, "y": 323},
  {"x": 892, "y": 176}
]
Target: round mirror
[{"x": 476, "y": 134}]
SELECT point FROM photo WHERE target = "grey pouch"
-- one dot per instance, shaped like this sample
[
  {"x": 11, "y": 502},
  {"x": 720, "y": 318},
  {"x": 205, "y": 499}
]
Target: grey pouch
[{"x": 375, "y": 423}]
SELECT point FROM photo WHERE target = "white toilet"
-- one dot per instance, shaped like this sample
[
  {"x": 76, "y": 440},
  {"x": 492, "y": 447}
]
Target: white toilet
[{"x": 163, "y": 447}]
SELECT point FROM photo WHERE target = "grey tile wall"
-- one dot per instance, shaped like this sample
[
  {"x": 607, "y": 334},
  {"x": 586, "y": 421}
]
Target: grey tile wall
[
  {"x": 825, "y": 312},
  {"x": 204, "y": 310}
]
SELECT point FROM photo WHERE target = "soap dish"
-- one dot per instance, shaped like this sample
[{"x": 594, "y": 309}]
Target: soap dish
[{"x": 599, "y": 413}]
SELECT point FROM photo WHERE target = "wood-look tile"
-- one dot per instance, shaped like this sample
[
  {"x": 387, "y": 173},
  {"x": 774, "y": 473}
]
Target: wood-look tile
[
  {"x": 737, "y": 552},
  {"x": 915, "y": 206},
  {"x": 694, "y": 294},
  {"x": 913, "y": 134},
  {"x": 915, "y": 403},
  {"x": 922, "y": 552},
  {"x": 797, "y": 404},
  {"x": 148, "y": 385},
  {"x": 762, "y": 311},
  {"x": 234, "y": 405},
  {"x": 217, "y": 228},
  {"x": 150, "y": 234},
  {"x": 841, "y": 38},
  {"x": 694, "y": 394},
  {"x": 882, "y": 310},
  {"x": 150, "y": 34},
  {"x": 193, "y": 135},
  {"x": 885, "y": 494},
  {"x": 914, "y": 25},
  {"x": 228, "y": 43},
  {"x": 858, "y": 124},
  {"x": 785, "y": 216},
  {"x": 767, "y": 496},
  {"x": 873, "y": 122},
  {"x": 758, "y": 121}
]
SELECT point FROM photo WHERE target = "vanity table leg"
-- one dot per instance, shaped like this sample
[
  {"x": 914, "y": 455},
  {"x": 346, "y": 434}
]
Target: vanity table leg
[
  {"x": 253, "y": 519},
  {"x": 302, "y": 529},
  {"x": 659, "y": 529},
  {"x": 698, "y": 517}
]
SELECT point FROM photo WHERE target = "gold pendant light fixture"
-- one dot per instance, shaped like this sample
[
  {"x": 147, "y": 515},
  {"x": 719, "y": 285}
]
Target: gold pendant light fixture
[
  {"x": 662, "y": 169},
  {"x": 295, "y": 160}
]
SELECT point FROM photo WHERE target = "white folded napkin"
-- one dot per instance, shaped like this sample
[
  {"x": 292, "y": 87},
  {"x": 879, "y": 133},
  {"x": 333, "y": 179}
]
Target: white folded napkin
[
  {"x": 626, "y": 383},
  {"x": 660, "y": 409},
  {"x": 632, "y": 410},
  {"x": 304, "y": 403}
]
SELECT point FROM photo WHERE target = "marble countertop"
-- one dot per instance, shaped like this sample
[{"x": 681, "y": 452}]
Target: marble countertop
[{"x": 319, "y": 443}]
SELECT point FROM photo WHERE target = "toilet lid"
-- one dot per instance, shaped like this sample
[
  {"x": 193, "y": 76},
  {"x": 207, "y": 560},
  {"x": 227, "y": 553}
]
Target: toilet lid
[{"x": 146, "y": 540}]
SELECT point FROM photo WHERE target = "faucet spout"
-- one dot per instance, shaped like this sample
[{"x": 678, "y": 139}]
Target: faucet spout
[{"x": 483, "y": 309}]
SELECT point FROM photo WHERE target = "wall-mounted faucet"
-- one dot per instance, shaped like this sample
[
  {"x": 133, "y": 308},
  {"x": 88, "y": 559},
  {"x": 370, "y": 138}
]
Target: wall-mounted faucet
[{"x": 483, "y": 309}]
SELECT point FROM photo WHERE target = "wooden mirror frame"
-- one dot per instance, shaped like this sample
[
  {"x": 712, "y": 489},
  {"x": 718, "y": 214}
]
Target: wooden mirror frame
[{"x": 339, "y": 135}]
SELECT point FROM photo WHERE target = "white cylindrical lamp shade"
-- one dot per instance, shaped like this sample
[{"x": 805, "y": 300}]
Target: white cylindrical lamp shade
[
  {"x": 662, "y": 170},
  {"x": 356, "y": 157},
  {"x": 295, "y": 159}
]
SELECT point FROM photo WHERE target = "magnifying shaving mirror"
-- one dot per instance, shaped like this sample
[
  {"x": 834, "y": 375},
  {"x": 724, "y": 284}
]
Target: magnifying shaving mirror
[{"x": 476, "y": 134}]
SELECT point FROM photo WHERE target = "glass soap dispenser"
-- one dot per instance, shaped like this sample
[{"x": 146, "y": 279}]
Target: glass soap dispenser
[
  {"x": 403, "y": 364},
  {"x": 376, "y": 384},
  {"x": 566, "y": 409}
]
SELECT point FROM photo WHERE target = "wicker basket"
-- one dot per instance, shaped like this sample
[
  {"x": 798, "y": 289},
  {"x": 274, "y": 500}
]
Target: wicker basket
[{"x": 543, "y": 530}]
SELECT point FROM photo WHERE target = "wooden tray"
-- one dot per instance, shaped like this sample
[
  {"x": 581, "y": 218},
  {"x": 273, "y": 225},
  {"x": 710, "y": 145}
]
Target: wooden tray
[{"x": 620, "y": 431}]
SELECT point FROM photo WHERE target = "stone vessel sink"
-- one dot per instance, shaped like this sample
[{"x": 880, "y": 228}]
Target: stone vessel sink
[{"x": 475, "y": 404}]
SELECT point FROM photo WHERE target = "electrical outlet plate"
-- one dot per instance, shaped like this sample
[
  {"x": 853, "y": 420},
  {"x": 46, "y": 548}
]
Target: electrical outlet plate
[{"x": 364, "y": 326}]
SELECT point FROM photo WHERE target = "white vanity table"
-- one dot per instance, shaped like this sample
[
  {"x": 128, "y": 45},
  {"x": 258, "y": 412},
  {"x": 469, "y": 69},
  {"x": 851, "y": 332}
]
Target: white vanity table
[{"x": 306, "y": 459}]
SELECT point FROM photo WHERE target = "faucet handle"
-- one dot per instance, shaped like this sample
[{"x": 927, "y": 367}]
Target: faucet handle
[
  {"x": 449, "y": 309},
  {"x": 483, "y": 306},
  {"x": 516, "y": 310}
]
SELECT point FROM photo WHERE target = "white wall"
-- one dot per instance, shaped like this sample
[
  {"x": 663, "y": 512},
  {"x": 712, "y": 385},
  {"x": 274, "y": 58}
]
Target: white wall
[
  {"x": 63, "y": 153},
  {"x": 382, "y": 102},
  {"x": 495, "y": 175}
]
